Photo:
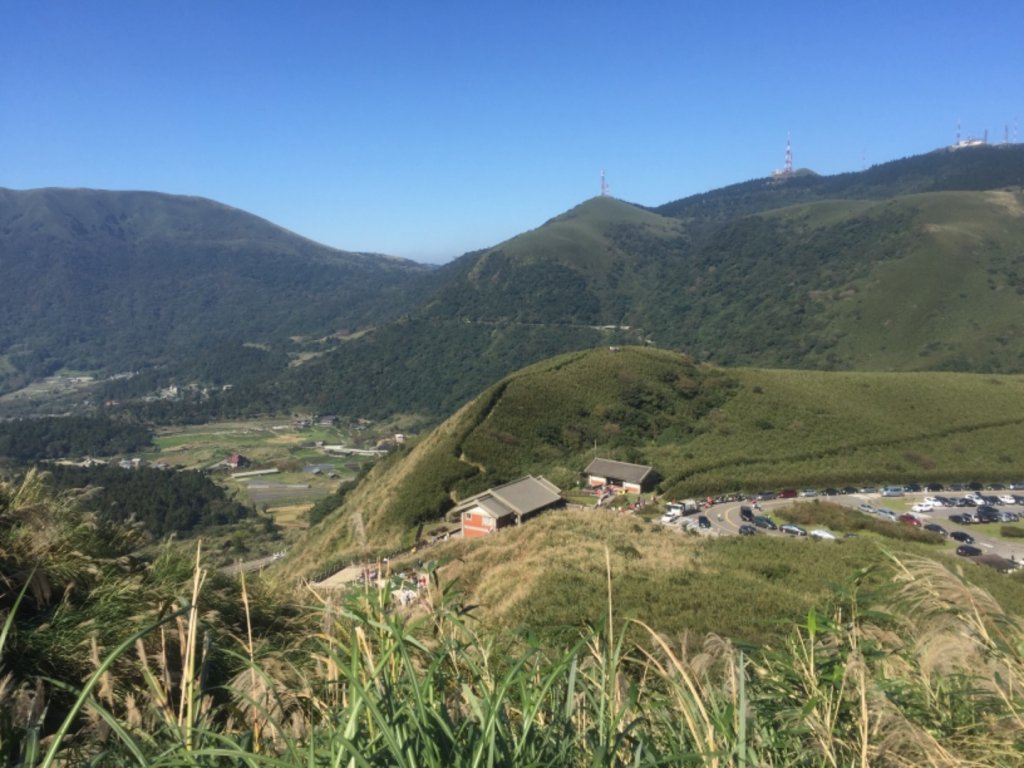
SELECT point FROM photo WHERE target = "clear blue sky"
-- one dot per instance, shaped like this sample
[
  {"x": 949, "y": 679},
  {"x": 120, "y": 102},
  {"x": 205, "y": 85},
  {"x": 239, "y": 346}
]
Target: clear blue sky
[{"x": 426, "y": 129}]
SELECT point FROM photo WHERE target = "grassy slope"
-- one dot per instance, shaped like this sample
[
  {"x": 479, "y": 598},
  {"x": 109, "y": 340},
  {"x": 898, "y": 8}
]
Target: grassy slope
[
  {"x": 550, "y": 576},
  {"x": 928, "y": 281},
  {"x": 705, "y": 429},
  {"x": 952, "y": 299}
]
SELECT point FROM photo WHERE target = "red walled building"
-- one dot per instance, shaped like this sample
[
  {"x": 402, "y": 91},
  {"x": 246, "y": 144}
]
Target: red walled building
[{"x": 505, "y": 505}]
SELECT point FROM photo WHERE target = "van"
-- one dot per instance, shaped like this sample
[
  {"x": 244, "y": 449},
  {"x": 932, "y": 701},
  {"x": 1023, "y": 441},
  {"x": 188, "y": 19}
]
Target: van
[{"x": 892, "y": 490}]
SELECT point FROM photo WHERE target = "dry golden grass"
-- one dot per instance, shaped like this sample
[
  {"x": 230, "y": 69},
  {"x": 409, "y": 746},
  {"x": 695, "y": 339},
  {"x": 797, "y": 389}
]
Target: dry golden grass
[
  {"x": 291, "y": 516},
  {"x": 364, "y": 525}
]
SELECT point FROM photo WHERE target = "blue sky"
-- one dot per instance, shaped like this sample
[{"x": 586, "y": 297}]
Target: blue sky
[{"x": 426, "y": 129}]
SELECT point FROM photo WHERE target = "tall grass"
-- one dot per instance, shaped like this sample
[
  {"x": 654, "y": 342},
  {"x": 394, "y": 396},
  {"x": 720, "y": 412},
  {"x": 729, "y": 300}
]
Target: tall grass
[{"x": 936, "y": 679}]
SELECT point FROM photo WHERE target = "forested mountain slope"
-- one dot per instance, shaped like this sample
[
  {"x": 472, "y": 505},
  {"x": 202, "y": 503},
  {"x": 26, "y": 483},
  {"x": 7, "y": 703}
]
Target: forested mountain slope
[
  {"x": 924, "y": 281},
  {"x": 97, "y": 280}
]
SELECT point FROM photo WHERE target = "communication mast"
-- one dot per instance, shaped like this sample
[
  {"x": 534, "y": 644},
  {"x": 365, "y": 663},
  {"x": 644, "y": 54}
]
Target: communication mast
[
  {"x": 787, "y": 168},
  {"x": 604, "y": 185}
]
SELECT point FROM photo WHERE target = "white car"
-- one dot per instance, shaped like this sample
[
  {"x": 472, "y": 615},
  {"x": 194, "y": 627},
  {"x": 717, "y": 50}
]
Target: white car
[
  {"x": 922, "y": 507},
  {"x": 670, "y": 517},
  {"x": 931, "y": 501},
  {"x": 821, "y": 533},
  {"x": 1007, "y": 499}
]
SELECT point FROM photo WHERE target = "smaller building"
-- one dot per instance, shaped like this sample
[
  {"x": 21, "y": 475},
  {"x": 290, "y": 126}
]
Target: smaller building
[
  {"x": 505, "y": 505},
  {"x": 632, "y": 478},
  {"x": 236, "y": 460}
]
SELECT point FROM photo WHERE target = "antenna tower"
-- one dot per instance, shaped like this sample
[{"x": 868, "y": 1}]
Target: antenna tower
[
  {"x": 787, "y": 168},
  {"x": 604, "y": 185}
]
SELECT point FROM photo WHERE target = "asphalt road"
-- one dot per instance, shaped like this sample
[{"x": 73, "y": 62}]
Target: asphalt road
[{"x": 725, "y": 518}]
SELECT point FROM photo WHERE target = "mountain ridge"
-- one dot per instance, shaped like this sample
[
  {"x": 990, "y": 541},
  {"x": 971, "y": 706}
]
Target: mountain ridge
[{"x": 774, "y": 272}]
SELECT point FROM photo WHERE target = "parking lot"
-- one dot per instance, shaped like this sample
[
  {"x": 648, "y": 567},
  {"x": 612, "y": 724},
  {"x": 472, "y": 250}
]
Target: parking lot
[{"x": 961, "y": 517}]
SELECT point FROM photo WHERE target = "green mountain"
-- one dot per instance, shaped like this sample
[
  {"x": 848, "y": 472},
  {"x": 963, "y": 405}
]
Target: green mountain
[
  {"x": 911, "y": 265},
  {"x": 971, "y": 169},
  {"x": 773, "y": 273},
  {"x": 113, "y": 281},
  {"x": 707, "y": 430}
]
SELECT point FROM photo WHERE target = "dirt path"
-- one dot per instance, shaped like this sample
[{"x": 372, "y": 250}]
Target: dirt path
[{"x": 342, "y": 578}]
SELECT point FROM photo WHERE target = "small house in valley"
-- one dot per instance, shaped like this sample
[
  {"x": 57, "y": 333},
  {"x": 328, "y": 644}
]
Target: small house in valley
[
  {"x": 236, "y": 461},
  {"x": 632, "y": 478},
  {"x": 505, "y": 505}
]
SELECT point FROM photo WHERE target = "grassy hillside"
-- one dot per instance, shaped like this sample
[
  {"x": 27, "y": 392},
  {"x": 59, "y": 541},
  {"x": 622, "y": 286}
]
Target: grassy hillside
[
  {"x": 550, "y": 576},
  {"x": 919, "y": 282},
  {"x": 592, "y": 651},
  {"x": 950, "y": 299},
  {"x": 707, "y": 430}
]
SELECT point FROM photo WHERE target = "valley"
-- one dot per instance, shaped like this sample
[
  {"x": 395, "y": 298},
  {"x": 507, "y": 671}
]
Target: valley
[{"x": 309, "y": 411}]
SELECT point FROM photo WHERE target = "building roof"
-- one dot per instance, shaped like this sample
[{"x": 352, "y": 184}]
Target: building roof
[
  {"x": 520, "y": 497},
  {"x": 619, "y": 470}
]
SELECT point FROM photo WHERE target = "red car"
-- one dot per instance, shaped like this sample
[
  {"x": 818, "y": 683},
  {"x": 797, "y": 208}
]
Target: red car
[
  {"x": 909, "y": 519},
  {"x": 787, "y": 493}
]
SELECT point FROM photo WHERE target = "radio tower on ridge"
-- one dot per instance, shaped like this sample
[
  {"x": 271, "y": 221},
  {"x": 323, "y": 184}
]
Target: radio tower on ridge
[
  {"x": 787, "y": 168},
  {"x": 604, "y": 184}
]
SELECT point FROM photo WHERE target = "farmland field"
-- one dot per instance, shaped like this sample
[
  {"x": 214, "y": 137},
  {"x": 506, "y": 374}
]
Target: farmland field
[{"x": 305, "y": 473}]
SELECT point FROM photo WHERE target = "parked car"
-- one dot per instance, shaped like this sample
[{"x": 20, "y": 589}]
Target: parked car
[
  {"x": 892, "y": 490},
  {"x": 1007, "y": 499},
  {"x": 909, "y": 520},
  {"x": 821, "y": 533},
  {"x": 962, "y": 537},
  {"x": 934, "y": 487},
  {"x": 865, "y": 507},
  {"x": 961, "y": 519},
  {"x": 765, "y": 522},
  {"x": 987, "y": 514},
  {"x": 936, "y": 528},
  {"x": 966, "y": 550},
  {"x": 912, "y": 488},
  {"x": 886, "y": 514},
  {"x": 746, "y": 514},
  {"x": 788, "y": 493},
  {"x": 747, "y": 530},
  {"x": 1005, "y": 516},
  {"x": 808, "y": 492},
  {"x": 703, "y": 521},
  {"x": 922, "y": 507},
  {"x": 792, "y": 529},
  {"x": 670, "y": 517}
]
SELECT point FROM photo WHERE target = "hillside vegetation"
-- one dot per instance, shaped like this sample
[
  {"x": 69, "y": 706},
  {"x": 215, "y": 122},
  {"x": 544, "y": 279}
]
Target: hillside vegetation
[
  {"x": 707, "y": 430},
  {"x": 911, "y": 281},
  {"x": 908, "y": 663},
  {"x": 911, "y": 265},
  {"x": 112, "y": 281}
]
